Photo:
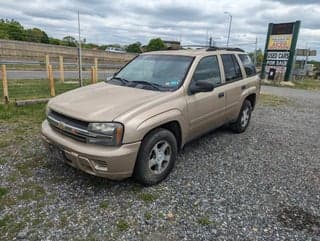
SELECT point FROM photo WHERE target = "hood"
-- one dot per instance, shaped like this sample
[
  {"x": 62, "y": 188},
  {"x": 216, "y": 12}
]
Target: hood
[{"x": 102, "y": 101}]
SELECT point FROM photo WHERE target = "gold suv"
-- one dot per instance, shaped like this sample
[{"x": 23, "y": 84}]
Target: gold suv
[{"x": 135, "y": 123}]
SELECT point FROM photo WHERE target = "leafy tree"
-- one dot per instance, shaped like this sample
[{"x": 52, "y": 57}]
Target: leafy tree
[
  {"x": 134, "y": 48},
  {"x": 54, "y": 41},
  {"x": 259, "y": 57},
  {"x": 36, "y": 35},
  {"x": 90, "y": 46},
  {"x": 11, "y": 29},
  {"x": 69, "y": 41},
  {"x": 156, "y": 44}
]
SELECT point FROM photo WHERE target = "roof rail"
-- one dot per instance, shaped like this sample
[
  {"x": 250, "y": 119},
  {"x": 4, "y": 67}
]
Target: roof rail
[
  {"x": 215, "y": 48},
  {"x": 194, "y": 46}
]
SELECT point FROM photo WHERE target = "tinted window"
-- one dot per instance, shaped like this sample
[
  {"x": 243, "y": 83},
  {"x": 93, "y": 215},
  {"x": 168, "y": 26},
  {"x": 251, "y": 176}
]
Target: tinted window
[
  {"x": 231, "y": 67},
  {"x": 248, "y": 65},
  {"x": 208, "y": 69}
]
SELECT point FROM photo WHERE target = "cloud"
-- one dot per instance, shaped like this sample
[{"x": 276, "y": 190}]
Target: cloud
[{"x": 127, "y": 21}]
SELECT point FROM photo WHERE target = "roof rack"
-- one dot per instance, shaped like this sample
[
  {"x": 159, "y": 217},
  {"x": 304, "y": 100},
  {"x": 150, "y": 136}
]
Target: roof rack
[
  {"x": 214, "y": 48},
  {"x": 195, "y": 46}
]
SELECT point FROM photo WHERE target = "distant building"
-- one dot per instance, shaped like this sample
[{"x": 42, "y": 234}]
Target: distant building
[{"x": 173, "y": 45}]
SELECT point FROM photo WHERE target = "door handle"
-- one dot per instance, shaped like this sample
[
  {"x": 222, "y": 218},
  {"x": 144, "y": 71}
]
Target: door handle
[
  {"x": 220, "y": 95},
  {"x": 243, "y": 87}
]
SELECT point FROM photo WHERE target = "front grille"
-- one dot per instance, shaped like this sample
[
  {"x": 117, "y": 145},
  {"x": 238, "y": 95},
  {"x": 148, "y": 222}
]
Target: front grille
[
  {"x": 69, "y": 120},
  {"x": 68, "y": 134},
  {"x": 68, "y": 126}
]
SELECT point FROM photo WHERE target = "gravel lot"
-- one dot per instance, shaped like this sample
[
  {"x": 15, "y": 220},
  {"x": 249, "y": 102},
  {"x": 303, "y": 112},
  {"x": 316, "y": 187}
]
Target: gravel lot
[{"x": 260, "y": 185}]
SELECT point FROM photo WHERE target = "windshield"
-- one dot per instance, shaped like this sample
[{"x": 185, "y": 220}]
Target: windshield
[{"x": 166, "y": 72}]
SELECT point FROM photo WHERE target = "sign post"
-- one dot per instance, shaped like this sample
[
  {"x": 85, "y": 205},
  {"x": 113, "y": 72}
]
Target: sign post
[{"x": 280, "y": 48}]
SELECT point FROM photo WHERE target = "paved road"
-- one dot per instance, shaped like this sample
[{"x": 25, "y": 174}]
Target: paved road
[
  {"x": 27, "y": 74},
  {"x": 307, "y": 95}
]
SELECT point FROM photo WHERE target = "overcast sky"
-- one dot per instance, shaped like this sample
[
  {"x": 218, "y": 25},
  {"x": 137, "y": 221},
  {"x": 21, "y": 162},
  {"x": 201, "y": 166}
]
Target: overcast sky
[{"x": 129, "y": 21}]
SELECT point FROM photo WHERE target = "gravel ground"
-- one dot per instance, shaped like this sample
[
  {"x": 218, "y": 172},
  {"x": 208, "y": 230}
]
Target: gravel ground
[{"x": 260, "y": 185}]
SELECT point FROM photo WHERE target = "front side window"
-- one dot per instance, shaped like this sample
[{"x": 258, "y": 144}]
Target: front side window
[
  {"x": 248, "y": 65},
  {"x": 231, "y": 67},
  {"x": 167, "y": 72},
  {"x": 208, "y": 69}
]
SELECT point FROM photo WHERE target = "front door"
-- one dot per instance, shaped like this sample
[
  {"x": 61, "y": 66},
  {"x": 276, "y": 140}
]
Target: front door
[{"x": 206, "y": 109}]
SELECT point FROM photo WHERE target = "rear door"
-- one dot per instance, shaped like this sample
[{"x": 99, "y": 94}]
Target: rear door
[
  {"x": 206, "y": 109},
  {"x": 234, "y": 85}
]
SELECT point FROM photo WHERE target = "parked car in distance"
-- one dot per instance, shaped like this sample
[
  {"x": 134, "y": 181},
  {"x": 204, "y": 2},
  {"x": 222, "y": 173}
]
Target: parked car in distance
[
  {"x": 115, "y": 50},
  {"x": 135, "y": 123}
]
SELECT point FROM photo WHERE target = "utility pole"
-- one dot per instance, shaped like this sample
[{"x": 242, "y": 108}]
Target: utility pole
[
  {"x": 255, "y": 52},
  {"x": 79, "y": 52},
  {"x": 206, "y": 43},
  {"x": 229, "y": 31}
]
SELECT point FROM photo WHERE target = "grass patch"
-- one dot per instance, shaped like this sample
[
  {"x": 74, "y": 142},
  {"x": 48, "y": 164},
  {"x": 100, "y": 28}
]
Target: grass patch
[
  {"x": 308, "y": 84},
  {"x": 137, "y": 189},
  {"x": 147, "y": 215},
  {"x": 26, "y": 168},
  {"x": 273, "y": 100},
  {"x": 204, "y": 221},
  {"x": 3, "y": 191},
  {"x": 104, "y": 204},
  {"x": 37, "y": 88},
  {"x": 30, "y": 113},
  {"x": 34, "y": 192},
  {"x": 147, "y": 197},
  {"x": 4, "y": 221},
  {"x": 122, "y": 225}
]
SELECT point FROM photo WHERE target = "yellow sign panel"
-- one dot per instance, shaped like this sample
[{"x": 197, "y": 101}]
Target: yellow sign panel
[{"x": 280, "y": 42}]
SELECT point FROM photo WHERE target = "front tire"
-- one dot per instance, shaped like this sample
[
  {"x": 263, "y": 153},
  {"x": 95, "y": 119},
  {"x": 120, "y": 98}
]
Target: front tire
[
  {"x": 244, "y": 118},
  {"x": 156, "y": 157}
]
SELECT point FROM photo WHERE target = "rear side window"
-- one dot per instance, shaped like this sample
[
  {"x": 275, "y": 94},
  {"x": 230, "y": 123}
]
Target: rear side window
[
  {"x": 208, "y": 69},
  {"x": 248, "y": 65},
  {"x": 231, "y": 67}
]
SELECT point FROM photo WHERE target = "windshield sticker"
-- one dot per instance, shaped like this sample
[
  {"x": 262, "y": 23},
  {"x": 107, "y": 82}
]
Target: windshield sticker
[{"x": 172, "y": 83}]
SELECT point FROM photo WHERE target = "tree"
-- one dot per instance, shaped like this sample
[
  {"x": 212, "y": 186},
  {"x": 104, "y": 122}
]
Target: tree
[
  {"x": 156, "y": 44},
  {"x": 134, "y": 48},
  {"x": 69, "y": 41},
  {"x": 54, "y": 41},
  {"x": 36, "y": 35},
  {"x": 259, "y": 57},
  {"x": 11, "y": 29}
]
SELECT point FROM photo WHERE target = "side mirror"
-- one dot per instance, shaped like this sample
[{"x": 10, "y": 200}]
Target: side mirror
[{"x": 200, "y": 86}]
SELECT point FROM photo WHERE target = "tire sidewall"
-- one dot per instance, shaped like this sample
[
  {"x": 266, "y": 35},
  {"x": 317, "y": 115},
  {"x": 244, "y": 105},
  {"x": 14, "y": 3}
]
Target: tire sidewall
[
  {"x": 237, "y": 127},
  {"x": 142, "y": 171}
]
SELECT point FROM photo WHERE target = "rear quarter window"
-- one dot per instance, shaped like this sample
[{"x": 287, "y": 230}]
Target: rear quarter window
[
  {"x": 231, "y": 67},
  {"x": 248, "y": 65}
]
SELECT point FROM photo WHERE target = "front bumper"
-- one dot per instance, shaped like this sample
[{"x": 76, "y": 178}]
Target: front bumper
[{"x": 111, "y": 162}]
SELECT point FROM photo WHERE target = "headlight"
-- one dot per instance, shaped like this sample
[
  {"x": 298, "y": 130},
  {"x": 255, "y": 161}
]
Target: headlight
[{"x": 109, "y": 134}]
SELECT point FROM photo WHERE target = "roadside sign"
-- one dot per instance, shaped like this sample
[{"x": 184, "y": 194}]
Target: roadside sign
[
  {"x": 306, "y": 52},
  {"x": 280, "y": 48}
]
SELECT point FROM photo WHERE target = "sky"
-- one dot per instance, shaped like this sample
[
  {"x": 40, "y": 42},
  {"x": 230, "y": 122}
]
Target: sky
[{"x": 127, "y": 21}]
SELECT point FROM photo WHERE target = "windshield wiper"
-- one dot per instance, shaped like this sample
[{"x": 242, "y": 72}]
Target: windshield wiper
[
  {"x": 153, "y": 85},
  {"x": 122, "y": 80}
]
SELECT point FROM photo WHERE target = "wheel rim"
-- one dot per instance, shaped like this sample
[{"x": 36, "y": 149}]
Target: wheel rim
[
  {"x": 245, "y": 117},
  {"x": 159, "y": 157}
]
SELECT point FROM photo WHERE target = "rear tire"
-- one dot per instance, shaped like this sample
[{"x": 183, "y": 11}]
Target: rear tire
[
  {"x": 156, "y": 157},
  {"x": 243, "y": 119}
]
